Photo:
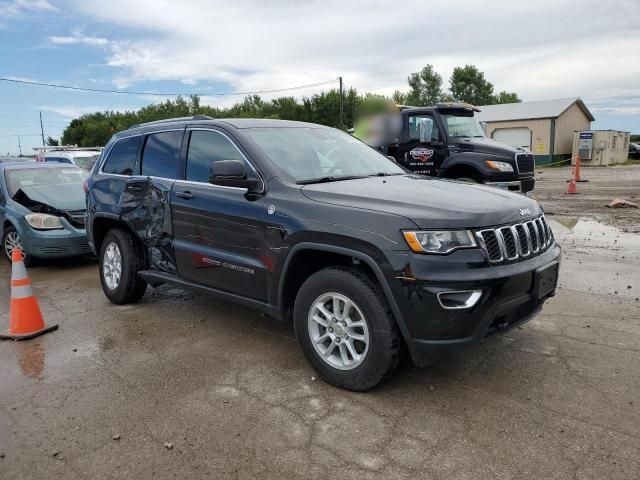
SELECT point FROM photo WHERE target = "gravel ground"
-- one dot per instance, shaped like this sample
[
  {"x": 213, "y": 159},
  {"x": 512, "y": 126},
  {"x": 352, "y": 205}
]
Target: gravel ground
[
  {"x": 593, "y": 196},
  {"x": 186, "y": 386}
]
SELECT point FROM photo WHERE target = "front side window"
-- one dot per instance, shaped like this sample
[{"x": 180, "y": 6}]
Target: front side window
[
  {"x": 161, "y": 152},
  {"x": 205, "y": 148},
  {"x": 414, "y": 127},
  {"x": 123, "y": 155}
]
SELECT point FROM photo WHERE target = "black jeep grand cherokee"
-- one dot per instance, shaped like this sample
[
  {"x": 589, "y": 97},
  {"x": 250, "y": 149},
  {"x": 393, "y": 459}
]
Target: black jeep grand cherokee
[{"x": 309, "y": 224}]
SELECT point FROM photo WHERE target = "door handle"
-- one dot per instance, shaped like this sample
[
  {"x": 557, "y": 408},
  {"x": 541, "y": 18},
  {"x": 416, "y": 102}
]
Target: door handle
[{"x": 185, "y": 195}]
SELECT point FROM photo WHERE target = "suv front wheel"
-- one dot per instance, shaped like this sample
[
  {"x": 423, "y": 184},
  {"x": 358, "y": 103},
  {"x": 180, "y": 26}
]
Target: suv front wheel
[
  {"x": 346, "y": 329},
  {"x": 121, "y": 258}
]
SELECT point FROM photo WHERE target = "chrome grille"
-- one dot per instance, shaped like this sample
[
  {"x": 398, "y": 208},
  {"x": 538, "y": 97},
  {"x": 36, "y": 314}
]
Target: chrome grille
[{"x": 518, "y": 241}]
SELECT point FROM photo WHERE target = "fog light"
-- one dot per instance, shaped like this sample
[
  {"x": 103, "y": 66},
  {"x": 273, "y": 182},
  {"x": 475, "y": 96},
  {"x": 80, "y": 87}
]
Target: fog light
[{"x": 459, "y": 300}]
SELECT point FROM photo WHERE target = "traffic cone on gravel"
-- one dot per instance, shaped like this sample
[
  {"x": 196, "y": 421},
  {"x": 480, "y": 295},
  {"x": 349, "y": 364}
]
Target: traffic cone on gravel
[
  {"x": 576, "y": 170},
  {"x": 572, "y": 188},
  {"x": 25, "y": 318}
]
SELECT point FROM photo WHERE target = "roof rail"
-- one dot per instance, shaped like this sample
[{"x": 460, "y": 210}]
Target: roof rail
[
  {"x": 67, "y": 148},
  {"x": 169, "y": 120}
]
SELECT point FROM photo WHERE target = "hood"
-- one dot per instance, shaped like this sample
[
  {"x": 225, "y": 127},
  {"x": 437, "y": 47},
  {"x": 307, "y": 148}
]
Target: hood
[
  {"x": 60, "y": 197},
  {"x": 487, "y": 146},
  {"x": 428, "y": 202}
]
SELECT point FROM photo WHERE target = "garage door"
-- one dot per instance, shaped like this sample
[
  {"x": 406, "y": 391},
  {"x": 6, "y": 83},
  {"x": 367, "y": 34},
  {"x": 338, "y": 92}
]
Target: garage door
[{"x": 518, "y": 137}]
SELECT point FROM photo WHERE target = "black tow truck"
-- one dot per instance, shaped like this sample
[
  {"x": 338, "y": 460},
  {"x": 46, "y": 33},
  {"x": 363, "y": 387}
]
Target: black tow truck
[{"x": 447, "y": 141}]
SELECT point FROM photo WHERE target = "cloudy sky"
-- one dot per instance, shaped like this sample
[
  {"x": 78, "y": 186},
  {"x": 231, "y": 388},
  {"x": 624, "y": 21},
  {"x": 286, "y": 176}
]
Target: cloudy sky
[{"x": 542, "y": 50}]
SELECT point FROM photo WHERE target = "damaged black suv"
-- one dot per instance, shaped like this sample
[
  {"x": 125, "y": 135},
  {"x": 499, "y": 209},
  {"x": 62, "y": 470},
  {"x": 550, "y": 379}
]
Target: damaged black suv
[{"x": 310, "y": 225}]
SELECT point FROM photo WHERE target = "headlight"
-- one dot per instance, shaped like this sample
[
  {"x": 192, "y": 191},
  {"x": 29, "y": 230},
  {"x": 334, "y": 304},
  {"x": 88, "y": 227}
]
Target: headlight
[
  {"x": 500, "y": 166},
  {"x": 43, "y": 221},
  {"x": 439, "y": 241}
]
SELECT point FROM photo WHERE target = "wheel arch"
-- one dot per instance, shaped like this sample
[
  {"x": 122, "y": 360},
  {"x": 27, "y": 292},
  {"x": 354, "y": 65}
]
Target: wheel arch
[
  {"x": 343, "y": 252},
  {"x": 101, "y": 225}
]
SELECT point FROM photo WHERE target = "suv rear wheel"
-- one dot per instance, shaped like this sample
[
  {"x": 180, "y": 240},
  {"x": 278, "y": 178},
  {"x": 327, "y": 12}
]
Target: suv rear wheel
[
  {"x": 346, "y": 328},
  {"x": 120, "y": 260}
]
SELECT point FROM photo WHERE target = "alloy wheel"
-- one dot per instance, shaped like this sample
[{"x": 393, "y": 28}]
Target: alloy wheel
[
  {"x": 338, "y": 331},
  {"x": 11, "y": 243},
  {"x": 112, "y": 265}
]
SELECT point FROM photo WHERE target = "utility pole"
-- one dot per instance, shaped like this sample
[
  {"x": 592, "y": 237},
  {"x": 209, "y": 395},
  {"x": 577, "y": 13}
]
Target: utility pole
[
  {"x": 341, "y": 106},
  {"x": 42, "y": 129},
  {"x": 19, "y": 145}
]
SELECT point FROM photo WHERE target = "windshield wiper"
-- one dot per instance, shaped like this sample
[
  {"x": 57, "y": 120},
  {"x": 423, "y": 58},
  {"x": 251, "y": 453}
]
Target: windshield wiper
[
  {"x": 327, "y": 179},
  {"x": 385, "y": 174}
]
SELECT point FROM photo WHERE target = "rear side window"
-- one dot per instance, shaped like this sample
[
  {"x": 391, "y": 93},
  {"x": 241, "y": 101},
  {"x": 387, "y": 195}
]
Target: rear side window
[
  {"x": 122, "y": 158},
  {"x": 206, "y": 147},
  {"x": 160, "y": 156}
]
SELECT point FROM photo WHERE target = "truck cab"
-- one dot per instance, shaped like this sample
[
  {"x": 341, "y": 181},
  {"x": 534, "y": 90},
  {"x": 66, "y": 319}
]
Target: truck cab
[{"x": 447, "y": 141}]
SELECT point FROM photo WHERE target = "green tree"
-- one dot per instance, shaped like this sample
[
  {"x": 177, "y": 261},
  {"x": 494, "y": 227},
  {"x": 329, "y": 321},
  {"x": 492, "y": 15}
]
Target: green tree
[
  {"x": 425, "y": 87},
  {"x": 506, "y": 97},
  {"x": 468, "y": 84},
  {"x": 399, "y": 97},
  {"x": 52, "y": 142}
]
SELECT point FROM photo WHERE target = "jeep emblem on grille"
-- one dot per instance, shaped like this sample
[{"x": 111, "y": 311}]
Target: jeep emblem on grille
[{"x": 525, "y": 211}]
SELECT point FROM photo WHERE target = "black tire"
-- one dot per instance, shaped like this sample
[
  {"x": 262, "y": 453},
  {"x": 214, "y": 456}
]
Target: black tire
[
  {"x": 130, "y": 288},
  {"x": 385, "y": 341},
  {"x": 28, "y": 259}
]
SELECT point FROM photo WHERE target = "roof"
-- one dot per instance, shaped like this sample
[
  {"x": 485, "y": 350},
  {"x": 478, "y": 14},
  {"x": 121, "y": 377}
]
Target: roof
[
  {"x": 530, "y": 110},
  {"x": 267, "y": 122}
]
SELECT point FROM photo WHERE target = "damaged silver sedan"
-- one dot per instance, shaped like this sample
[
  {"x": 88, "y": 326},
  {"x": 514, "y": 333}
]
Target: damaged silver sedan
[{"x": 42, "y": 209}]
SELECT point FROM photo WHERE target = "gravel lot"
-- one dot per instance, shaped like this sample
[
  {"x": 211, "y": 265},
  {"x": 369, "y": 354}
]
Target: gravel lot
[
  {"x": 604, "y": 185},
  {"x": 187, "y": 386}
]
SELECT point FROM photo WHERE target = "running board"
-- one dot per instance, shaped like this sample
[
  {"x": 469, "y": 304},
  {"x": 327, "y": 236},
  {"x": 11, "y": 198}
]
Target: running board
[{"x": 157, "y": 278}]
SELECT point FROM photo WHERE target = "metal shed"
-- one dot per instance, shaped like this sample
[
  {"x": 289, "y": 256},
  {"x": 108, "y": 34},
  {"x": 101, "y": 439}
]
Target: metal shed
[{"x": 545, "y": 127}]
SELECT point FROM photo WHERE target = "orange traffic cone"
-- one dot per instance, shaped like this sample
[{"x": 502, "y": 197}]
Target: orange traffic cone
[
  {"x": 572, "y": 188},
  {"x": 25, "y": 319},
  {"x": 577, "y": 170}
]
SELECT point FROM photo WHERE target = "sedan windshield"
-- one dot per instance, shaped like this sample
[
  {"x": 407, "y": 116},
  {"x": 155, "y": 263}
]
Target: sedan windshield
[
  {"x": 55, "y": 181},
  {"x": 459, "y": 126},
  {"x": 318, "y": 154}
]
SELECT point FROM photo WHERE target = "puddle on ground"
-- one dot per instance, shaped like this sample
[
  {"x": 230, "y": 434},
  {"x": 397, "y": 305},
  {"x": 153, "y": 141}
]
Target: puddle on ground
[
  {"x": 597, "y": 258},
  {"x": 594, "y": 233}
]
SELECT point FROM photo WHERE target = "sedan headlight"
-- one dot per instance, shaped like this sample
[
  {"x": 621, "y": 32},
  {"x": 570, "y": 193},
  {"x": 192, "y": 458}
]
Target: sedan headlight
[
  {"x": 500, "y": 166},
  {"x": 445, "y": 241},
  {"x": 43, "y": 221}
]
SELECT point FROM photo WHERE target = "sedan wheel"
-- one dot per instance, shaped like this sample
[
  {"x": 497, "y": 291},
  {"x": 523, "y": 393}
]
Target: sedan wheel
[{"x": 12, "y": 242}]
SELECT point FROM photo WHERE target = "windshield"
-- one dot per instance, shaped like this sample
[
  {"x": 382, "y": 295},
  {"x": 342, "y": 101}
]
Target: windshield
[
  {"x": 458, "y": 126},
  {"x": 308, "y": 154},
  {"x": 84, "y": 162},
  {"x": 44, "y": 179}
]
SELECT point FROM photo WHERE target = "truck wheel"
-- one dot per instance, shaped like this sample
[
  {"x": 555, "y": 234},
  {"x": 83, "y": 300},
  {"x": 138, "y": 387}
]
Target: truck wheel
[
  {"x": 121, "y": 258},
  {"x": 346, "y": 329},
  {"x": 11, "y": 241}
]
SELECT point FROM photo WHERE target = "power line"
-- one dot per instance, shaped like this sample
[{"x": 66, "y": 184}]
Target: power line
[{"x": 126, "y": 92}]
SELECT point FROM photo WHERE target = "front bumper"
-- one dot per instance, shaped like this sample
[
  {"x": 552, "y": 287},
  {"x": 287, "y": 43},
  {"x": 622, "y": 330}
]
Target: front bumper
[
  {"x": 524, "y": 185},
  {"x": 69, "y": 242},
  {"x": 508, "y": 298}
]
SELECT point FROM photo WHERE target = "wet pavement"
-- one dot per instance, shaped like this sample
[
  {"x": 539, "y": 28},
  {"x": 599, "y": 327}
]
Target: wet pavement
[{"x": 182, "y": 385}]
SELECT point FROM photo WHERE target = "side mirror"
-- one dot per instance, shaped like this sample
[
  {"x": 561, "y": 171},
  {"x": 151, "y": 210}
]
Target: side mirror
[
  {"x": 232, "y": 173},
  {"x": 425, "y": 128}
]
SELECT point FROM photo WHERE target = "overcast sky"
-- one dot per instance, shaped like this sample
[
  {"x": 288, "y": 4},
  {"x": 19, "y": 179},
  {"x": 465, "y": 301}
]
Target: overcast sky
[{"x": 541, "y": 50}]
